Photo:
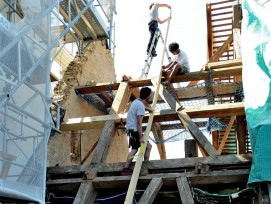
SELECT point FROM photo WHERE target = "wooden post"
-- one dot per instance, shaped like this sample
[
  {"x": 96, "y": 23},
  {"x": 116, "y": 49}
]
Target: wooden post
[
  {"x": 241, "y": 131},
  {"x": 185, "y": 191},
  {"x": 86, "y": 193},
  {"x": 190, "y": 147},
  {"x": 209, "y": 30},
  {"x": 237, "y": 15},
  {"x": 151, "y": 191}
]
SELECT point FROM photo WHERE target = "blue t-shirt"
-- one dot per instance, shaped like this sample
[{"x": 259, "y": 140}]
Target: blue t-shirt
[{"x": 137, "y": 109}]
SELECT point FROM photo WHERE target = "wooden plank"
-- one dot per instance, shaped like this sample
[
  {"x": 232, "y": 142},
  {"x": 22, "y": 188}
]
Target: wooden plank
[
  {"x": 223, "y": 64},
  {"x": 218, "y": 177},
  {"x": 209, "y": 178},
  {"x": 97, "y": 122},
  {"x": 226, "y": 134},
  {"x": 152, "y": 190},
  {"x": 188, "y": 123},
  {"x": 205, "y": 75},
  {"x": 192, "y": 76},
  {"x": 86, "y": 193},
  {"x": 222, "y": 2},
  {"x": 153, "y": 165},
  {"x": 109, "y": 129},
  {"x": 185, "y": 190}
]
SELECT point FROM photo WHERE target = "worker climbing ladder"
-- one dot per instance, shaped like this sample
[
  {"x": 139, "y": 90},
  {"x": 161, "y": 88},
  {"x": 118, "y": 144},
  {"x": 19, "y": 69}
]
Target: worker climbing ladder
[
  {"x": 135, "y": 176},
  {"x": 148, "y": 61}
]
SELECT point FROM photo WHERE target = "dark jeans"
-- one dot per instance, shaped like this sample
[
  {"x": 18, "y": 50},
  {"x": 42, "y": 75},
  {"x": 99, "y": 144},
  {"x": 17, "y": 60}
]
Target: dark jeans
[{"x": 153, "y": 25}]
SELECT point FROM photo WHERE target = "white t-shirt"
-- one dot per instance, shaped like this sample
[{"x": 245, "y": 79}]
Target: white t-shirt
[
  {"x": 137, "y": 108},
  {"x": 182, "y": 59},
  {"x": 154, "y": 13}
]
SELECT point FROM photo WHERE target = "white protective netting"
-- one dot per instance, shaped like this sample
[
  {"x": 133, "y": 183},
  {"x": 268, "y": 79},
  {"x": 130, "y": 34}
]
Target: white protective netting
[
  {"x": 25, "y": 120},
  {"x": 107, "y": 6}
]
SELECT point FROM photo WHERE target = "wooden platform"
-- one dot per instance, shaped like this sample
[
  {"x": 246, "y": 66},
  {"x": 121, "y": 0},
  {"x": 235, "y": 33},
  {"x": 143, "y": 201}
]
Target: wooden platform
[{"x": 230, "y": 170}]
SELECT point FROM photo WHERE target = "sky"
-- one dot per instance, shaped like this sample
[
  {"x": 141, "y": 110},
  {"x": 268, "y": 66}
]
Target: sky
[{"x": 187, "y": 27}]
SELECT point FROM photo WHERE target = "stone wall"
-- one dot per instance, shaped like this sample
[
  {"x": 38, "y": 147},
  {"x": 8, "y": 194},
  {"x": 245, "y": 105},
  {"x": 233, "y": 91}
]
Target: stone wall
[{"x": 69, "y": 148}]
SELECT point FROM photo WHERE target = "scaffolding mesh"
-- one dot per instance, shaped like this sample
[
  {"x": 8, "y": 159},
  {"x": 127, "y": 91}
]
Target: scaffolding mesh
[
  {"x": 202, "y": 94},
  {"x": 25, "y": 120},
  {"x": 107, "y": 6}
]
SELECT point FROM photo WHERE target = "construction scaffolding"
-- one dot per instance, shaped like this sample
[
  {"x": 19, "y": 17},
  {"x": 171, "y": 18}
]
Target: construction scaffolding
[{"x": 24, "y": 106}]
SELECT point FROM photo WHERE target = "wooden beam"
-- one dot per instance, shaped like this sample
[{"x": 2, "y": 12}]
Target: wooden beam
[
  {"x": 218, "y": 177},
  {"x": 151, "y": 191},
  {"x": 109, "y": 129},
  {"x": 209, "y": 178},
  {"x": 209, "y": 30},
  {"x": 121, "y": 99},
  {"x": 185, "y": 190},
  {"x": 237, "y": 16},
  {"x": 192, "y": 76},
  {"x": 155, "y": 165},
  {"x": 200, "y": 138},
  {"x": 226, "y": 134},
  {"x": 158, "y": 135},
  {"x": 223, "y": 64},
  {"x": 225, "y": 46},
  {"x": 89, "y": 153},
  {"x": 106, "y": 137},
  {"x": 86, "y": 193},
  {"x": 205, "y": 75},
  {"x": 188, "y": 123},
  {"x": 97, "y": 122},
  {"x": 241, "y": 130}
]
